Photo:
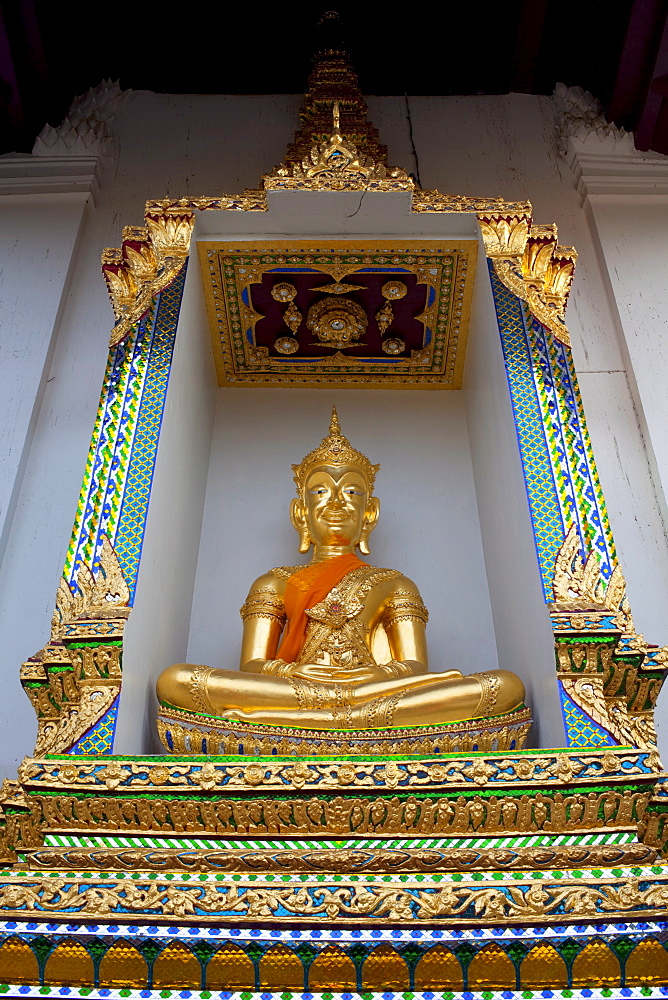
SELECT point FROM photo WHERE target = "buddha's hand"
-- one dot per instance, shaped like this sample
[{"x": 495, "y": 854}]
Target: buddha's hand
[{"x": 324, "y": 672}]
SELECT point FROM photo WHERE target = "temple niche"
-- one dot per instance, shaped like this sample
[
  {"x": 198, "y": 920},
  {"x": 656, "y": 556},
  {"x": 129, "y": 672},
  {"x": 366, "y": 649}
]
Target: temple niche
[
  {"x": 438, "y": 328},
  {"x": 453, "y": 483}
]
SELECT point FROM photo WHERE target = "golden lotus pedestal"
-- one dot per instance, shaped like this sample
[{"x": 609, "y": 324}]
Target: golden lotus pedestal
[
  {"x": 193, "y": 732},
  {"x": 425, "y": 875}
]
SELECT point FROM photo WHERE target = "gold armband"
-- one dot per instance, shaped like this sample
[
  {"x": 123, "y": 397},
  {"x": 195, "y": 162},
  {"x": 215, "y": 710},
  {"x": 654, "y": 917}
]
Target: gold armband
[
  {"x": 395, "y": 668},
  {"x": 404, "y": 605},
  {"x": 277, "y": 667},
  {"x": 263, "y": 604}
]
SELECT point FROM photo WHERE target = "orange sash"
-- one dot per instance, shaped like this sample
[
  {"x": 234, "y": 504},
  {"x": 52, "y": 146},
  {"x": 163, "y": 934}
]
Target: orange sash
[{"x": 304, "y": 589}]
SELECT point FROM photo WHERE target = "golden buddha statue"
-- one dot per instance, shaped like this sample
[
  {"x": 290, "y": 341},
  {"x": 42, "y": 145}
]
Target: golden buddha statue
[{"x": 336, "y": 644}]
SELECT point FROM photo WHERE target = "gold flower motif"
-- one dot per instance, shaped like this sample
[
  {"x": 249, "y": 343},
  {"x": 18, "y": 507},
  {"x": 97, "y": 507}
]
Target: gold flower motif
[
  {"x": 481, "y": 771},
  {"x": 207, "y": 776},
  {"x": 159, "y": 775},
  {"x": 346, "y": 774},
  {"x": 392, "y": 774},
  {"x": 524, "y": 769},
  {"x": 611, "y": 763},
  {"x": 112, "y": 774},
  {"x": 254, "y": 774},
  {"x": 298, "y": 775},
  {"x": 565, "y": 769},
  {"x": 438, "y": 773},
  {"x": 68, "y": 773}
]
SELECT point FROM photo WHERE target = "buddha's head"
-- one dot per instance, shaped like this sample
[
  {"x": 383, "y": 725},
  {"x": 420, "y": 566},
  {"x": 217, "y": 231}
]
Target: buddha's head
[{"x": 334, "y": 504}]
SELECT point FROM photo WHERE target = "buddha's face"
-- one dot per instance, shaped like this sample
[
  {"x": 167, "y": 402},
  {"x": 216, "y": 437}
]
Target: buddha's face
[
  {"x": 335, "y": 502},
  {"x": 336, "y": 508}
]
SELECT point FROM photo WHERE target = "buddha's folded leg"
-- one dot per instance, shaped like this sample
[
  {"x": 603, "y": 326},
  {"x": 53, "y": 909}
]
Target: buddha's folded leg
[
  {"x": 427, "y": 699},
  {"x": 248, "y": 697},
  {"x": 430, "y": 699},
  {"x": 229, "y": 693}
]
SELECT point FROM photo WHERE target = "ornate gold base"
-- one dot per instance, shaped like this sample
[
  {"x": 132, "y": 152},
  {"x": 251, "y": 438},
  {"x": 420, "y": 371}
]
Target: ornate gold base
[{"x": 190, "y": 733}]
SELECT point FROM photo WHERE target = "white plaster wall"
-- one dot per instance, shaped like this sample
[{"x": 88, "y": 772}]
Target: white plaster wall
[
  {"x": 179, "y": 144},
  {"x": 631, "y": 234},
  {"x": 157, "y": 631},
  {"x": 523, "y": 632},
  {"x": 428, "y": 526},
  {"x": 38, "y": 239}
]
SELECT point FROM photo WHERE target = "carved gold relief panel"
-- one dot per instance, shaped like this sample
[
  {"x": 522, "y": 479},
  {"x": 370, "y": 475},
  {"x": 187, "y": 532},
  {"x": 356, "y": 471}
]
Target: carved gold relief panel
[{"x": 345, "y": 313}]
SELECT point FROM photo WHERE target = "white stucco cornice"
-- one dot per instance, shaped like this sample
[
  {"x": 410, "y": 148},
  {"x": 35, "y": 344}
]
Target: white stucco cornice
[
  {"x": 602, "y": 156},
  {"x": 617, "y": 173},
  {"x": 22, "y": 174}
]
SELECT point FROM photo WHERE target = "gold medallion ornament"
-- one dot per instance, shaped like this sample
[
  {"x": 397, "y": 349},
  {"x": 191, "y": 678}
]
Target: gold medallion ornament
[
  {"x": 283, "y": 292},
  {"x": 394, "y": 345},
  {"x": 286, "y": 345},
  {"x": 394, "y": 290},
  {"x": 337, "y": 322}
]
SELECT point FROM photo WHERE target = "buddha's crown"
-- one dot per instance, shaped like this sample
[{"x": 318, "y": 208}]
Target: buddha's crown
[{"x": 335, "y": 449}]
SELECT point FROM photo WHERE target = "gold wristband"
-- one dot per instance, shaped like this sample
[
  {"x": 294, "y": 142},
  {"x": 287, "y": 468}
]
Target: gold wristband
[
  {"x": 395, "y": 668},
  {"x": 278, "y": 667}
]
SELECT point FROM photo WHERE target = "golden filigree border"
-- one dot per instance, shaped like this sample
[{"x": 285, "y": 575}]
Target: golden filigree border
[{"x": 547, "y": 900}]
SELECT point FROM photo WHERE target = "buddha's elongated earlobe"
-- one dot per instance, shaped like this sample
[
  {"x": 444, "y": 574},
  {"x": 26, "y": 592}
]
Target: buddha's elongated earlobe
[
  {"x": 300, "y": 524},
  {"x": 371, "y": 516},
  {"x": 304, "y": 540}
]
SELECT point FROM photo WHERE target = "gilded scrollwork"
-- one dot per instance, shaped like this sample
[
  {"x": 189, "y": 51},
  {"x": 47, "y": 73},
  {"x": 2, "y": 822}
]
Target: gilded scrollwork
[
  {"x": 186, "y": 733},
  {"x": 604, "y": 665},
  {"x": 550, "y": 900},
  {"x": 80, "y": 774},
  {"x": 73, "y": 681},
  {"x": 18, "y": 829},
  {"x": 577, "y": 583},
  {"x": 101, "y": 595},
  {"x": 527, "y": 811},
  {"x": 530, "y": 262},
  {"x": 434, "y": 201},
  {"x": 149, "y": 260}
]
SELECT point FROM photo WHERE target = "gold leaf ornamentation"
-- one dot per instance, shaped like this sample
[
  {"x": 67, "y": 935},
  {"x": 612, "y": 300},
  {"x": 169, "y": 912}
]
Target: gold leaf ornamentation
[
  {"x": 547, "y": 899},
  {"x": 529, "y": 262},
  {"x": 72, "y": 685}
]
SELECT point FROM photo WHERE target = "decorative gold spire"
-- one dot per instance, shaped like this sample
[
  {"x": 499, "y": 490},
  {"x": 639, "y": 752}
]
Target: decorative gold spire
[
  {"x": 335, "y": 449},
  {"x": 333, "y": 81},
  {"x": 335, "y": 148}
]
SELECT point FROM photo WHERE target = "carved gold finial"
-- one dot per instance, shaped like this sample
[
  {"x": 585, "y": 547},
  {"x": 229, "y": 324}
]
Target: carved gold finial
[
  {"x": 334, "y": 425},
  {"x": 335, "y": 449}
]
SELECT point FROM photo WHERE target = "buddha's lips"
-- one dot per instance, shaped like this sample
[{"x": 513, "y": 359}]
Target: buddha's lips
[{"x": 335, "y": 516}]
